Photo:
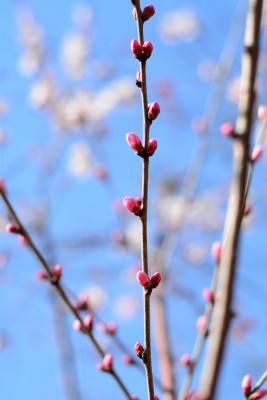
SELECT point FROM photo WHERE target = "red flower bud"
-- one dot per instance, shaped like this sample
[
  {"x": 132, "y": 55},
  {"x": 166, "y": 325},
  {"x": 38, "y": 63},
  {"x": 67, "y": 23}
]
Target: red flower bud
[
  {"x": 143, "y": 279},
  {"x": 10, "y": 228},
  {"x": 256, "y": 153},
  {"x": 133, "y": 205},
  {"x": 148, "y": 12},
  {"x": 153, "y": 110},
  {"x": 216, "y": 251},
  {"x": 208, "y": 295},
  {"x": 259, "y": 394},
  {"x": 147, "y": 49},
  {"x": 88, "y": 322},
  {"x": 135, "y": 143},
  {"x": 151, "y": 147},
  {"x": 155, "y": 280},
  {"x": 136, "y": 49},
  {"x": 227, "y": 129},
  {"x": 139, "y": 350},
  {"x": 246, "y": 384},
  {"x": 107, "y": 363},
  {"x": 187, "y": 362},
  {"x": 57, "y": 271}
]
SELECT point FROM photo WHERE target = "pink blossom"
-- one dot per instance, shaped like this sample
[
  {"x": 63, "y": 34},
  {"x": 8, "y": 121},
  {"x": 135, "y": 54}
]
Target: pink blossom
[
  {"x": 136, "y": 49},
  {"x": 256, "y": 153},
  {"x": 227, "y": 129},
  {"x": 246, "y": 384},
  {"x": 143, "y": 279},
  {"x": 216, "y": 251},
  {"x": 155, "y": 280},
  {"x": 151, "y": 147},
  {"x": 147, "y": 49},
  {"x": 208, "y": 295},
  {"x": 134, "y": 142},
  {"x": 153, "y": 110},
  {"x": 148, "y": 12},
  {"x": 133, "y": 204}
]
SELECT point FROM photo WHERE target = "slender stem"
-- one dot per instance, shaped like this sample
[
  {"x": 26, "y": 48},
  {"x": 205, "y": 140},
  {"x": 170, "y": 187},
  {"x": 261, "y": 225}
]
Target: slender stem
[
  {"x": 260, "y": 382},
  {"x": 58, "y": 287},
  {"x": 222, "y": 309}
]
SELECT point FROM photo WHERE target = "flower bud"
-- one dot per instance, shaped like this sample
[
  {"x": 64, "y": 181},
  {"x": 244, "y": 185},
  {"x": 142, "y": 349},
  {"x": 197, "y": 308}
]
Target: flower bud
[
  {"x": 187, "y": 362},
  {"x": 136, "y": 49},
  {"x": 77, "y": 326},
  {"x": 10, "y": 228},
  {"x": 143, "y": 279},
  {"x": 82, "y": 303},
  {"x": 128, "y": 360},
  {"x": 216, "y": 251},
  {"x": 155, "y": 280},
  {"x": 2, "y": 186},
  {"x": 139, "y": 350},
  {"x": 248, "y": 209},
  {"x": 57, "y": 271},
  {"x": 138, "y": 78},
  {"x": 109, "y": 327},
  {"x": 41, "y": 275},
  {"x": 201, "y": 323},
  {"x": 147, "y": 49},
  {"x": 133, "y": 205},
  {"x": 246, "y": 384},
  {"x": 208, "y": 295},
  {"x": 135, "y": 143},
  {"x": 256, "y": 153},
  {"x": 227, "y": 129},
  {"x": 151, "y": 147},
  {"x": 259, "y": 394},
  {"x": 153, "y": 110},
  {"x": 148, "y": 12},
  {"x": 156, "y": 397},
  {"x": 88, "y": 322},
  {"x": 108, "y": 362}
]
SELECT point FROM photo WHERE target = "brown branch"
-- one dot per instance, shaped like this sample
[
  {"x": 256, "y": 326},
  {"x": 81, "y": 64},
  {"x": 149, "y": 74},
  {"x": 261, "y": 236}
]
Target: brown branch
[
  {"x": 58, "y": 287},
  {"x": 222, "y": 309}
]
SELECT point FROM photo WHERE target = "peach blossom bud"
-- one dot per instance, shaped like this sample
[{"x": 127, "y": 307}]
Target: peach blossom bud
[
  {"x": 148, "y": 12},
  {"x": 216, "y": 251},
  {"x": 147, "y": 49},
  {"x": 134, "y": 142},
  {"x": 143, "y": 279},
  {"x": 82, "y": 303},
  {"x": 186, "y": 361},
  {"x": 10, "y": 228},
  {"x": 133, "y": 397},
  {"x": 57, "y": 271},
  {"x": 88, "y": 322},
  {"x": 227, "y": 129},
  {"x": 156, "y": 397},
  {"x": 246, "y": 384},
  {"x": 256, "y": 153},
  {"x": 138, "y": 78},
  {"x": 136, "y": 49},
  {"x": 262, "y": 112},
  {"x": 108, "y": 362},
  {"x": 2, "y": 186},
  {"x": 134, "y": 13},
  {"x": 41, "y": 275},
  {"x": 208, "y": 295},
  {"x": 133, "y": 205},
  {"x": 151, "y": 147},
  {"x": 22, "y": 240},
  {"x": 111, "y": 327},
  {"x": 155, "y": 280},
  {"x": 139, "y": 350},
  {"x": 128, "y": 360},
  {"x": 77, "y": 326},
  {"x": 201, "y": 323},
  {"x": 153, "y": 110},
  {"x": 259, "y": 394}
]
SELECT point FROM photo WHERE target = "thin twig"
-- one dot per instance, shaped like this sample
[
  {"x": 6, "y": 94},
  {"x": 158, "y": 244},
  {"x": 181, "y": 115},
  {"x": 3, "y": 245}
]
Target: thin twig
[{"x": 222, "y": 309}]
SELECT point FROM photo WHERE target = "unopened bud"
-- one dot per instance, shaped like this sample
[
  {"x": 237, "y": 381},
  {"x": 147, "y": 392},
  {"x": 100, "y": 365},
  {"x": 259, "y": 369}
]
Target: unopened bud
[
  {"x": 208, "y": 295},
  {"x": 227, "y": 129},
  {"x": 139, "y": 350},
  {"x": 153, "y": 110},
  {"x": 259, "y": 394},
  {"x": 216, "y": 251},
  {"x": 135, "y": 143},
  {"x": 151, "y": 147},
  {"x": 246, "y": 384},
  {"x": 143, "y": 279},
  {"x": 155, "y": 280},
  {"x": 147, "y": 49},
  {"x": 148, "y": 12},
  {"x": 57, "y": 271},
  {"x": 256, "y": 153},
  {"x": 133, "y": 204},
  {"x": 136, "y": 49}
]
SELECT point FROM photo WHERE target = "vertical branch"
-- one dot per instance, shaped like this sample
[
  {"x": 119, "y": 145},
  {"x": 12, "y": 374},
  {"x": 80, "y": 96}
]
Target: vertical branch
[{"x": 222, "y": 309}]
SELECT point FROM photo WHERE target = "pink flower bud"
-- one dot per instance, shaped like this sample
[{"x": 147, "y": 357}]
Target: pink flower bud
[
  {"x": 22, "y": 240},
  {"x": 57, "y": 271},
  {"x": 259, "y": 394},
  {"x": 133, "y": 397},
  {"x": 148, "y": 12},
  {"x": 127, "y": 360},
  {"x": 133, "y": 205},
  {"x": 201, "y": 323},
  {"x": 256, "y": 153},
  {"x": 2, "y": 186},
  {"x": 147, "y": 49},
  {"x": 139, "y": 350},
  {"x": 246, "y": 384},
  {"x": 10, "y": 228},
  {"x": 88, "y": 322},
  {"x": 41, "y": 275},
  {"x": 186, "y": 361},
  {"x": 155, "y": 280},
  {"x": 227, "y": 129},
  {"x": 77, "y": 326},
  {"x": 151, "y": 147},
  {"x": 82, "y": 303},
  {"x": 136, "y": 49},
  {"x": 216, "y": 251},
  {"x": 262, "y": 112},
  {"x": 143, "y": 279},
  {"x": 134, "y": 142},
  {"x": 156, "y": 397},
  {"x": 153, "y": 110},
  {"x": 108, "y": 362},
  {"x": 138, "y": 78},
  {"x": 208, "y": 295}
]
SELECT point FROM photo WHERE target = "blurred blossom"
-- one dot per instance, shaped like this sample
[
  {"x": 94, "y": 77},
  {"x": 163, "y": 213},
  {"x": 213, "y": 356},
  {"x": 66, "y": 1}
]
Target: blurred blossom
[
  {"x": 171, "y": 210},
  {"x": 42, "y": 92},
  {"x": 196, "y": 253},
  {"x": 82, "y": 15},
  {"x": 133, "y": 236},
  {"x": 96, "y": 296},
  {"x": 80, "y": 160},
  {"x": 178, "y": 25},
  {"x": 126, "y": 306},
  {"x": 75, "y": 50},
  {"x": 233, "y": 90},
  {"x": 32, "y": 39}
]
